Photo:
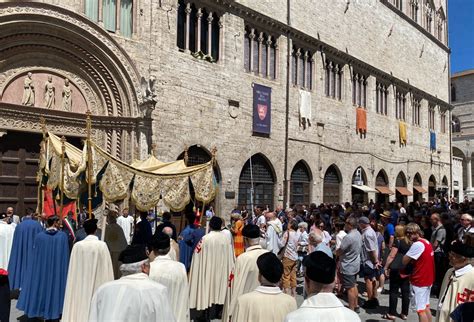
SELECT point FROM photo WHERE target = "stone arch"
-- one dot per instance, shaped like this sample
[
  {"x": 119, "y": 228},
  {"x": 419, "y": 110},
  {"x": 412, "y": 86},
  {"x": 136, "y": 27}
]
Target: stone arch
[
  {"x": 300, "y": 183},
  {"x": 332, "y": 184},
  {"x": 197, "y": 154},
  {"x": 382, "y": 187},
  {"x": 418, "y": 189},
  {"x": 257, "y": 183},
  {"x": 51, "y": 41},
  {"x": 360, "y": 189},
  {"x": 402, "y": 193},
  {"x": 444, "y": 181}
]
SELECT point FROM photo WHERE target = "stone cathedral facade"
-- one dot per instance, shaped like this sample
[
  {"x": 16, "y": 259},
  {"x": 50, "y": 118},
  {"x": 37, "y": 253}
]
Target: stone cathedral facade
[{"x": 357, "y": 93}]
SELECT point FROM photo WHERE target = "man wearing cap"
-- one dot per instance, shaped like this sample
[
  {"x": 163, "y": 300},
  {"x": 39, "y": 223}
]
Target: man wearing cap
[
  {"x": 81, "y": 233},
  {"x": 321, "y": 304},
  {"x": 369, "y": 262},
  {"x": 134, "y": 297},
  {"x": 6, "y": 240},
  {"x": 172, "y": 274},
  {"x": 244, "y": 276},
  {"x": 267, "y": 302},
  {"x": 349, "y": 255},
  {"x": 458, "y": 283},
  {"x": 210, "y": 269},
  {"x": 42, "y": 293},
  {"x": 389, "y": 231},
  {"x": 90, "y": 267}
]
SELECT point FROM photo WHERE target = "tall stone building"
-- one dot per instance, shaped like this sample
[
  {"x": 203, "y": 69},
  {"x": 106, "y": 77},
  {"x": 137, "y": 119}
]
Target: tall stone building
[
  {"x": 462, "y": 98},
  {"x": 305, "y": 101}
]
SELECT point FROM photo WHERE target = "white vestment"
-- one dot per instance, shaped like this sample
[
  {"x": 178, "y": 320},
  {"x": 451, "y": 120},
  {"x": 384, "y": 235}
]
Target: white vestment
[
  {"x": 172, "y": 274},
  {"x": 264, "y": 304},
  {"x": 245, "y": 277},
  {"x": 90, "y": 267},
  {"x": 131, "y": 298},
  {"x": 211, "y": 265},
  {"x": 322, "y": 307},
  {"x": 174, "y": 250},
  {"x": 126, "y": 224},
  {"x": 274, "y": 233},
  {"x": 6, "y": 240}
]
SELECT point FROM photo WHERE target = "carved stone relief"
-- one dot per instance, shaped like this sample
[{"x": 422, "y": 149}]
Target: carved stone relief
[{"x": 19, "y": 86}]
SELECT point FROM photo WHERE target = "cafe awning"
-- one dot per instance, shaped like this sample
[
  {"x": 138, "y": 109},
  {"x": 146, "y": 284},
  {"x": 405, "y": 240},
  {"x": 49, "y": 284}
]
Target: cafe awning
[
  {"x": 384, "y": 190},
  {"x": 420, "y": 189},
  {"x": 364, "y": 188},
  {"x": 404, "y": 191}
]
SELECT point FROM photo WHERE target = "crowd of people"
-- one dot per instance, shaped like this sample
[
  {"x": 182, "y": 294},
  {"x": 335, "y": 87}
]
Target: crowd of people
[{"x": 133, "y": 269}]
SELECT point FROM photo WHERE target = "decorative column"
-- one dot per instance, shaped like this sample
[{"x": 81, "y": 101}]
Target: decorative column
[
  {"x": 260, "y": 44},
  {"x": 101, "y": 13},
  {"x": 269, "y": 44},
  {"x": 209, "y": 33},
  {"x": 117, "y": 16},
  {"x": 331, "y": 80},
  {"x": 277, "y": 59},
  {"x": 305, "y": 69},
  {"x": 220, "y": 23},
  {"x": 297, "y": 71},
  {"x": 198, "y": 33},
  {"x": 252, "y": 45},
  {"x": 187, "y": 10},
  {"x": 469, "y": 174}
]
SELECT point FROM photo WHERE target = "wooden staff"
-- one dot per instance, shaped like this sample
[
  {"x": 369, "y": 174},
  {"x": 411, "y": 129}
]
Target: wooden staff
[
  {"x": 61, "y": 184},
  {"x": 89, "y": 164},
  {"x": 43, "y": 154}
]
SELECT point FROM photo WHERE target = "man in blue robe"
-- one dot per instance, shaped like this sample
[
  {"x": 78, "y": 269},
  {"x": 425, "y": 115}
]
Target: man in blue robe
[
  {"x": 188, "y": 239},
  {"x": 22, "y": 252},
  {"x": 42, "y": 295}
]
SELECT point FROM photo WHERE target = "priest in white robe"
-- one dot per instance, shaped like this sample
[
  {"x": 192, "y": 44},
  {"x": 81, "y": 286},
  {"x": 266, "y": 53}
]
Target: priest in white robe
[
  {"x": 134, "y": 297},
  {"x": 171, "y": 274},
  {"x": 274, "y": 233},
  {"x": 211, "y": 265},
  {"x": 90, "y": 266},
  {"x": 126, "y": 222},
  {"x": 6, "y": 240},
  {"x": 267, "y": 302},
  {"x": 244, "y": 276}
]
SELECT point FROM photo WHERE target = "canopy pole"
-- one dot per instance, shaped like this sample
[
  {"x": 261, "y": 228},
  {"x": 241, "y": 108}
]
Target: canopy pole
[
  {"x": 61, "y": 187},
  {"x": 89, "y": 164},
  {"x": 43, "y": 154}
]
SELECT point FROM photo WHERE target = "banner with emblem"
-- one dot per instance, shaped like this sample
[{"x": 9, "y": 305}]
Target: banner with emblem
[{"x": 262, "y": 116}]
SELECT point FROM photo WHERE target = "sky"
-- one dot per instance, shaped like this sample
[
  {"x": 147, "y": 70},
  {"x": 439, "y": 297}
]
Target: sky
[{"x": 461, "y": 34}]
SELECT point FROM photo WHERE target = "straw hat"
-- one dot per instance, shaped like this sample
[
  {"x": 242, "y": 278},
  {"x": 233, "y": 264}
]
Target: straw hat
[{"x": 386, "y": 214}]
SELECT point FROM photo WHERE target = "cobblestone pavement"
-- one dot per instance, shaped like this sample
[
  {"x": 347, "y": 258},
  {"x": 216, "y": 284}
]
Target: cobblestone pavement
[{"x": 369, "y": 315}]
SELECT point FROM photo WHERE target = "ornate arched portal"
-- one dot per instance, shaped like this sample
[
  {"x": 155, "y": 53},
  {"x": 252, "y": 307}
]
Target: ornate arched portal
[{"x": 57, "y": 64}]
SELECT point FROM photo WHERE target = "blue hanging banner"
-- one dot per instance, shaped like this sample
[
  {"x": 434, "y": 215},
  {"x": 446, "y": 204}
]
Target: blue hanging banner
[
  {"x": 432, "y": 141},
  {"x": 262, "y": 107}
]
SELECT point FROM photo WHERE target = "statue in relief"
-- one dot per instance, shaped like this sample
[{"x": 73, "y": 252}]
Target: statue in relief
[
  {"x": 67, "y": 96},
  {"x": 49, "y": 93},
  {"x": 28, "y": 98}
]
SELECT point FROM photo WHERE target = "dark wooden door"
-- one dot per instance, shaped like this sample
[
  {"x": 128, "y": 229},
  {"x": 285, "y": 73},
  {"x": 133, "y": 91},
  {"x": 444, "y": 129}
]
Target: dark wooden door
[{"x": 19, "y": 153}]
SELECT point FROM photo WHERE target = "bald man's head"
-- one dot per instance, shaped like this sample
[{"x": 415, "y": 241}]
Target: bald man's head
[{"x": 168, "y": 231}]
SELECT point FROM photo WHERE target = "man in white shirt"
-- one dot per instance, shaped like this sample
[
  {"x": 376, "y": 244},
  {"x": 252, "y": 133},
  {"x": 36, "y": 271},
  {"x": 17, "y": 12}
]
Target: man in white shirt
[
  {"x": 466, "y": 226},
  {"x": 13, "y": 219},
  {"x": 134, "y": 297},
  {"x": 6, "y": 240},
  {"x": 321, "y": 304},
  {"x": 172, "y": 274},
  {"x": 126, "y": 222}
]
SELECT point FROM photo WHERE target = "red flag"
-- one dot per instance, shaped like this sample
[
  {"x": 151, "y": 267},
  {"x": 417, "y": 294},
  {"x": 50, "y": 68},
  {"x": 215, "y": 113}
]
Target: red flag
[
  {"x": 48, "y": 203},
  {"x": 197, "y": 221},
  {"x": 51, "y": 208}
]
